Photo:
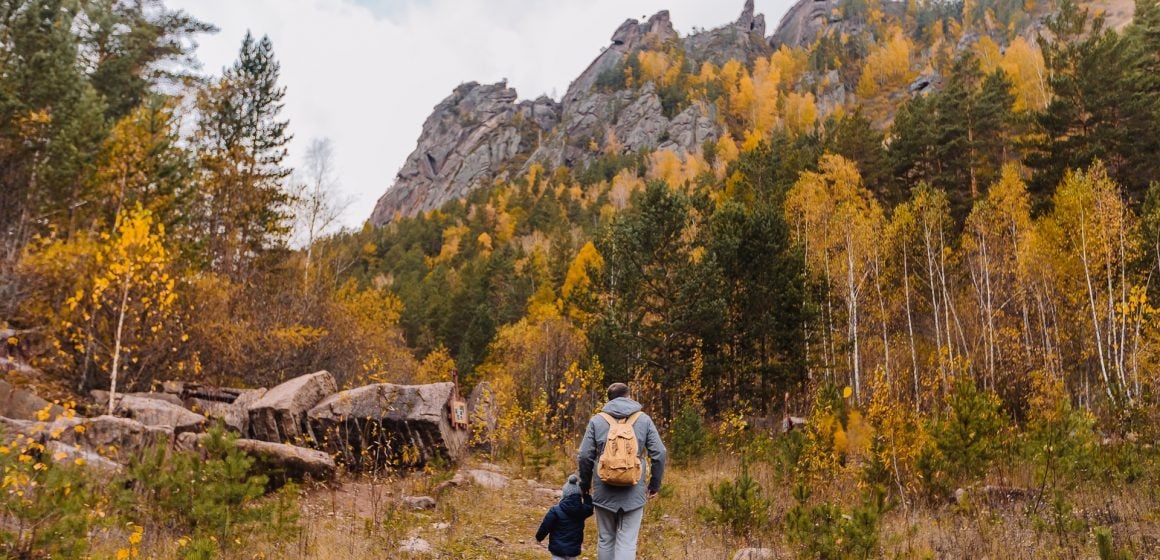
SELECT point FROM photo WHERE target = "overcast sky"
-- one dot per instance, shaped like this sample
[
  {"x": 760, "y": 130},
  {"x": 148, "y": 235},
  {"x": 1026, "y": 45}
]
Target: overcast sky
[{"x": 366, "y": 73}]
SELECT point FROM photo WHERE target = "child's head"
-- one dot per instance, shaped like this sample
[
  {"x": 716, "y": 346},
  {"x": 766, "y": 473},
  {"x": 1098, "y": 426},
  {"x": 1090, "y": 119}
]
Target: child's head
[{"x": 572, "y": 486}]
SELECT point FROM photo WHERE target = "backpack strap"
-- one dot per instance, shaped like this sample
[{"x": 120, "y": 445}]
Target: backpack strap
[{"x": 630, "y": 420}]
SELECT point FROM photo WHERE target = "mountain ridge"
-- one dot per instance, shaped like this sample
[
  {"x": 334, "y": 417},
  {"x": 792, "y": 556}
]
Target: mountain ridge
[{"x": 481, "y": 132}]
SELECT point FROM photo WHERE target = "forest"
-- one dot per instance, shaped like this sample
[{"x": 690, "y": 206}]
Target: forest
[{"x": 952, "y": 287}]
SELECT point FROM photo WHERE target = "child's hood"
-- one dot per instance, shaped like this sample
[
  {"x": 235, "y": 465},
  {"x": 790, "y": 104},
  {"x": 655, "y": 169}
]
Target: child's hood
[{"x": 572, "y": 506}]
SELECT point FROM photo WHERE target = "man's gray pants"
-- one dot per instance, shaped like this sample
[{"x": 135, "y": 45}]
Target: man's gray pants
[{"x": 618, "y": 532}]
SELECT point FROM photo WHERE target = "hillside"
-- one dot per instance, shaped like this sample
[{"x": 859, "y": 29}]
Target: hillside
[
  {"x": 882, "y": 276},
  {"x": 483, "y": 133}
]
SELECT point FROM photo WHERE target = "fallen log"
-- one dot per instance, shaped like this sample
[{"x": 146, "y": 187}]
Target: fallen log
[{"x": 387, "y": 425}]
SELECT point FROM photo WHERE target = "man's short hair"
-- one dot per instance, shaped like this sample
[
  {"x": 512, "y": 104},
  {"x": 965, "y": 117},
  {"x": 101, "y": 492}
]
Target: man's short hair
[{"x": 617, "y": 390}]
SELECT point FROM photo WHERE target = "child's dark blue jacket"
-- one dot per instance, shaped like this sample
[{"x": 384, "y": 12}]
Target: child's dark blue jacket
[{"x": 565, "y": 525}]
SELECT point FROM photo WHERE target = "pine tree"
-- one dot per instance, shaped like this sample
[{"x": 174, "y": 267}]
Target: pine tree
[
  {"x": 51, "y": 123},
  {"x": 133, "y": 47},
  {"x": 1088, "y": 118},
  {"x": 1144, "y": 82},
  {"x": 242, "y": 144}
]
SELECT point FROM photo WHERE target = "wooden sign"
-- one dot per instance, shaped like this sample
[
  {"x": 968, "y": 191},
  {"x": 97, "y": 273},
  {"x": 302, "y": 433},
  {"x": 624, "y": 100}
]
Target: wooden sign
[{"x": 458, "y": 413}]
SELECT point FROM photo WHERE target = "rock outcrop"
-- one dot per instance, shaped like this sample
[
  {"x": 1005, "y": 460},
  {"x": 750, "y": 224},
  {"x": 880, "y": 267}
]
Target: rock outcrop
[
  {"x": 279, "y": 416},
  {"x": 385, "y": 424},
  {"x": 159, "y": 413},
  {"x": 742, "y": 40},
  {"x": 102, "y": 397},
  {"x": 804, "y": 23},
  {"x": 111, "y": 437},
  {"x": 807, "y": 20},
  {"x": 471, "y": 137},
  {"x": 21, "y": 404},
  {"x": 481, "y": 132},
  {"x": 233, "y": 415}
]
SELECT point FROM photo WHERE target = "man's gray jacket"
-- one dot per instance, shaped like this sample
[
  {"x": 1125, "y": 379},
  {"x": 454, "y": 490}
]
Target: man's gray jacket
[{"x": 627, "y": 498}]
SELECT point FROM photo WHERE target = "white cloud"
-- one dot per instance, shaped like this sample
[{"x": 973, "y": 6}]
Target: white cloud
[{"x": 366, "y": 73}]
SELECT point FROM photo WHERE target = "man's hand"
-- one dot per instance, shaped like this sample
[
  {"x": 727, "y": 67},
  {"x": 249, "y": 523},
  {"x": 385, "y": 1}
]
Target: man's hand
[{"x": 652, "y": 494}]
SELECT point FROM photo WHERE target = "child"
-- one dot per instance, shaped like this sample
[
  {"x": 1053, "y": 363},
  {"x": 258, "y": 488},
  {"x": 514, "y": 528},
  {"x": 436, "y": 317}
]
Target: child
[{"x": 565, "y": 522}]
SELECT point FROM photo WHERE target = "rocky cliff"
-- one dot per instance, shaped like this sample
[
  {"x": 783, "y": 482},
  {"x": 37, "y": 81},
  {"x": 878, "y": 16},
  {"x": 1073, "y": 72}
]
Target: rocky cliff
[
  {"x": 483, "y": 132},
  {"x": 470, "y": 138}
]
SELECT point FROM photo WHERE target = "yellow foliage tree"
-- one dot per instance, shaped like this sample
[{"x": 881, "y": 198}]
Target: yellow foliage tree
[
  {"x": 838, "y": 222},
  {"x": 727, "y": 152},
  {"x": 654, "y": 65},
  {"x": 136, "y": 283},
  {"x": 365, "y": 326},
  {"x": 437, "y": 367},
  {"x": 1023, "y": 62},
  {"x": 577, "y": 289},
  {"x": 886, "y": 70},
  {"x": 800, "y": 112}
]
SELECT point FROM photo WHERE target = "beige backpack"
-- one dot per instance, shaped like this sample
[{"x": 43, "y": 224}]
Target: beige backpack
[{"x": 619, "y": 464}]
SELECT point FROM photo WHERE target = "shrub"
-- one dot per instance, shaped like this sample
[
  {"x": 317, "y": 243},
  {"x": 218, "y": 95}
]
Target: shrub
[
  {"x": 688, "y": 437},
  {"x": 827, "y": 530},
  {"x": 1106, "y": 546},
  {"x": 216, "y": 497},
  {"x": 49, "y": 501},
  {"x": 1060, "y": 442},
  {"x": 46, "y": 507},
  {"x": 738, "y": 505},
  {"x": 965, "y": 442}
]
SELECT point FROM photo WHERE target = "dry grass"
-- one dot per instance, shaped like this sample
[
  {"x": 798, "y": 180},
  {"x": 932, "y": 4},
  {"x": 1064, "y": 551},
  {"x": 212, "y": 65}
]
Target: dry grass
[{"x": 361, "y": 518}]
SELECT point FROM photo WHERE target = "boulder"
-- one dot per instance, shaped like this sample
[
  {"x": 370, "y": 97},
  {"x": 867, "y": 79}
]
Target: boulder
[
  {"x": 13, "y": 428},
  {"x": 792, "y": 423},
  {"x": 119, "y": 439},
  {"x": 419, "y": 502},
  {"x": 102, "y": 397},
  {"x": 415, "y": 545},
  {"x": 483, "y": 416},
  {"x": 454, "y": 482},
  {"x": 552, "y": 493},
  {"x": 385, "y": 424},
  {"x": 20, "y": 404},
  {"x": 157, "y": 412},
  {"x": 296, "y": 462},
  {"x": 116, "y": 439},
  {"x": 280, "y": 414},
  {"x": 488, "y": 479},
  {"x": 232, "y": 414},
  {"x": 68, "y": 454}
]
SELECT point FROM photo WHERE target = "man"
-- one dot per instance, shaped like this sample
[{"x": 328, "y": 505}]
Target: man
[{"x": 619, "y": 508}]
